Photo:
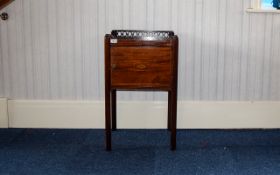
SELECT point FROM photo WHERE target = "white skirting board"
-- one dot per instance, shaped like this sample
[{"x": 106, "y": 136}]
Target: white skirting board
[
  {"x": 143, "y": 114},
  {"x": 4, "y": 122}
]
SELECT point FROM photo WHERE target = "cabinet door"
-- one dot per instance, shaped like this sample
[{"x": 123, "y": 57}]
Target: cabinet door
[{"x": 141, "y": 67}]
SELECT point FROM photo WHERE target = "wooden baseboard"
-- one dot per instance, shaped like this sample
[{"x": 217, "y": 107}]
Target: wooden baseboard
[{"x": 143, "y": 114}]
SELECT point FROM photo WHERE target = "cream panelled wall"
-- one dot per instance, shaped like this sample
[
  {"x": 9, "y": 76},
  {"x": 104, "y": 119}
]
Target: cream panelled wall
[{"x": 53, "y": 49}]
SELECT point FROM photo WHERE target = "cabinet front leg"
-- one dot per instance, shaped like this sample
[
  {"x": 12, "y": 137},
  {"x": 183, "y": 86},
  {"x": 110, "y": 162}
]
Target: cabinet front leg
[
  {"x": 169, "y": 111},
  {"x": 114, "y": 109},
  {"x": 173, "y": 120}
]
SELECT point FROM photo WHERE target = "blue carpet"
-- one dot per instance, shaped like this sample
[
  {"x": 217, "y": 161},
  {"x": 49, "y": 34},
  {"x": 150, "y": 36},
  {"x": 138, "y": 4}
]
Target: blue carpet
[{"x": 200, "y": 152}]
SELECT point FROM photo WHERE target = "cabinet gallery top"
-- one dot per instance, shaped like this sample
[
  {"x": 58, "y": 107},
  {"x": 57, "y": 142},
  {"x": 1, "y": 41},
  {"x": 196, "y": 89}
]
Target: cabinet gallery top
[{"x": 141, "y": 34}]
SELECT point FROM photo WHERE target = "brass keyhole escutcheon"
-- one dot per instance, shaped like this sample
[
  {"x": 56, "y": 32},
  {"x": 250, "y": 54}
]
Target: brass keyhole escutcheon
[{"x": 113, "y": 66}]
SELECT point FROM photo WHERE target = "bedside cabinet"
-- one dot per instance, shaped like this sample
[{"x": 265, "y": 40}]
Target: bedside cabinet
[{"x": 140, "y": 60}]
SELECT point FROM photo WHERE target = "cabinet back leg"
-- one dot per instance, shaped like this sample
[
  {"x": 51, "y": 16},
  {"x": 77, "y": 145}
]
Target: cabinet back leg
[{"x": 108, "y": 120}]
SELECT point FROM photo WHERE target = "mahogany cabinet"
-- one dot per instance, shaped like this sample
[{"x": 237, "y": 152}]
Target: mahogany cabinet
[{"x": 140, "y": 60}]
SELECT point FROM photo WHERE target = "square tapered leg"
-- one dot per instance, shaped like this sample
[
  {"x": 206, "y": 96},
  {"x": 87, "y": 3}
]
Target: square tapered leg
[
  {"x": 114, "y": 109},
  {"x": 108, "y": 120},
  {"x": 169, "y": 111},
  {"x": 173, "y": 123}
]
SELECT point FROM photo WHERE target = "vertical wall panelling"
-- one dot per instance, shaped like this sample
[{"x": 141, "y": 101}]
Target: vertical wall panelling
[
  {"x": 93, "y": 57},
  {"x": 230, "y": 48},
  {"x": 54, "y": 76},
  {"x": 190, "y": 50},
  {"x": 53, "y": 49},
  {"x": 28, "y": 51},
  {"x": 11, "y": 46},
  {"x": 5, "y": 56},
  {"x": 259, "y": 58},
  {"x": 255, "y": 56},
  {"x": 266, "y": 56},
  {"x": 278, "y": 60},
  {"x": 1, "y": 75},
  {"x": 114, "y": 14},
  {"x": 233, "y": 49},
  {"x": 2, "y": 89},
  {"x": 162, "y": 14},
  {"x": 36, "y": 47},
  {"x": 137, "y": 14},
  {"x": 44, "y": 50},
  {"x": 101, "y": 32},
  {"x": 66, "y": 47},
  {"x": 40, "y": 48},
  {"x": 66, "y": 52},
  {"x": 20, "y": 79},
  {"x": 125, "y": 14},
  {"x": 77, "y": 49},
  {"x": 275, "y": 61},
  {"x": 278, "y": 56},
  {"x": 244, "y": 45},
  {"x": 182, "y": 8},
  {"x": 209, "y": 51},
  {"x": 199, "y": 40},
  {"x": 213, "y": 49},
  {"x": 150, "y": 6},
  {"x": 205, "y": 50},
  {"x": 174, "y": 15},
  {"x": 222, "y": 33},
  {"x": 89, "y": 49}
]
